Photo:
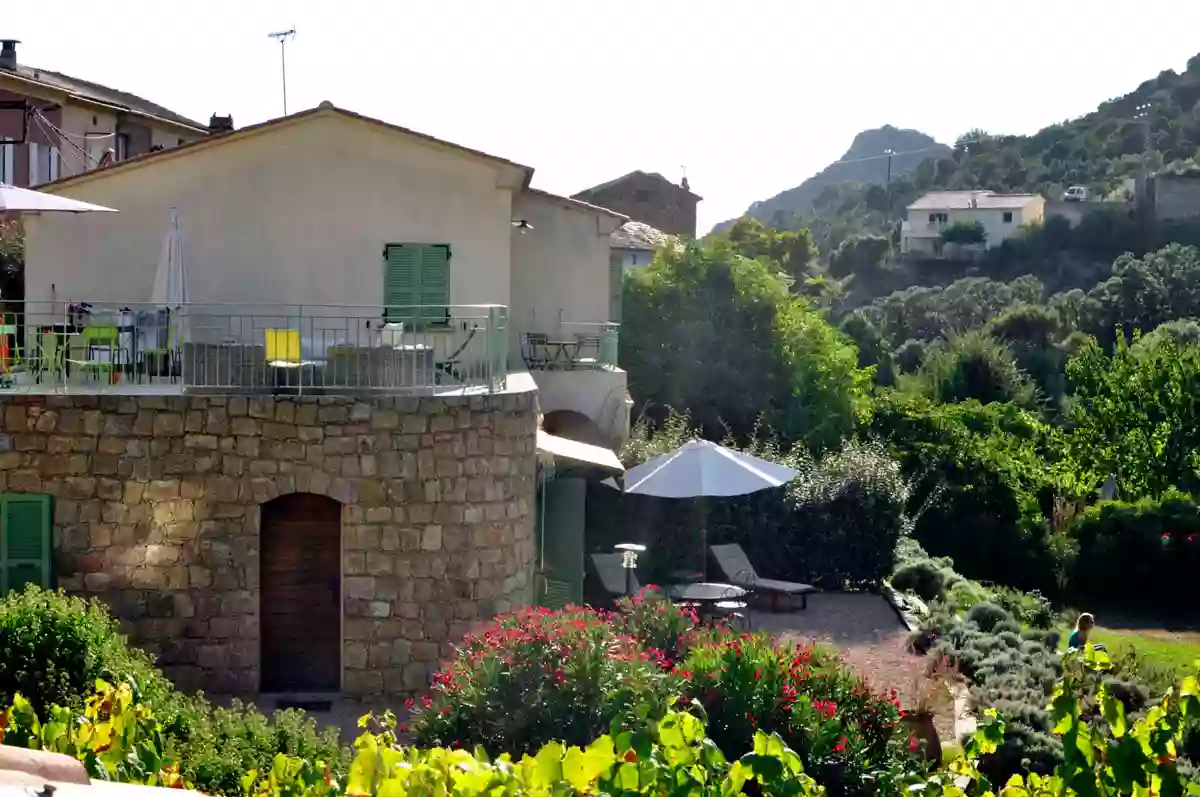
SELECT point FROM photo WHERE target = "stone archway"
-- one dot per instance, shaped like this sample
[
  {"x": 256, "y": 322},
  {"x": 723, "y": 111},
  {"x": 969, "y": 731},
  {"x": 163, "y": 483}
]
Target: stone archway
[
  {"x": 300, "y": 610},
  {"x": 575, "y": 426}
]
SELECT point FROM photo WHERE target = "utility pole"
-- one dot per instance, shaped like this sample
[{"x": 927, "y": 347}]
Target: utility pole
[
  {"x": 1142, "y": 114},
  {"x": 283, "y": 37},
  {"x": 888, "y": 189}
]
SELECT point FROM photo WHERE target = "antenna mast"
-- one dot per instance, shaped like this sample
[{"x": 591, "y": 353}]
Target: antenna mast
[{"x": 283, "y": 37}]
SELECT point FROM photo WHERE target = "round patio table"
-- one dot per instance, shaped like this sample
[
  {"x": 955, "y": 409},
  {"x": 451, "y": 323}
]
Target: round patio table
[
  {"x": 712, "y": 600},
  {"x": 705, "y": 592}
]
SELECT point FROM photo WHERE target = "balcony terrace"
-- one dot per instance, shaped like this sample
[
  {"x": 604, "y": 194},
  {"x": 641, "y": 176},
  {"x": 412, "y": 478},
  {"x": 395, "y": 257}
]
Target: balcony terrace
[{"x": 129, "y": 348}]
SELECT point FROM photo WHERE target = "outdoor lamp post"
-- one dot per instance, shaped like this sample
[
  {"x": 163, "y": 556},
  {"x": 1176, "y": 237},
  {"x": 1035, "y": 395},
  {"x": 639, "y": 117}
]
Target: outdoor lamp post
[{"x": 629, "y": 554}]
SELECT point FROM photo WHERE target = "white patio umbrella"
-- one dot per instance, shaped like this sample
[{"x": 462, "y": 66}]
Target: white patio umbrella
[
  {"x": 170, "y": 282},
  {"x": 703, "y": 469},
  {"x": 25, "y": 200}
]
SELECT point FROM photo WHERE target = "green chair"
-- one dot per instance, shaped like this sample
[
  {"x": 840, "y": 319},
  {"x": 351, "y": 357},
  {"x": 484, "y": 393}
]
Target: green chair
[
  {"x": 101, "y": 345},
  {"x": 154, "y": 360},
  {"x": 12, "y": 355},
  {"x": 52, "y": 357}
]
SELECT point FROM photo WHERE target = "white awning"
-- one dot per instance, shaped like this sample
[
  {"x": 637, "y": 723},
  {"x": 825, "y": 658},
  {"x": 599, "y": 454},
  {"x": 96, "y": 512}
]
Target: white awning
[{"x": 579, "y": 452}]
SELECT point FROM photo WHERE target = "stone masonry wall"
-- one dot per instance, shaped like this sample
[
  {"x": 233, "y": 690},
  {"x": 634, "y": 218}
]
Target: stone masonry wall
[{"x": 157, "y": 502}]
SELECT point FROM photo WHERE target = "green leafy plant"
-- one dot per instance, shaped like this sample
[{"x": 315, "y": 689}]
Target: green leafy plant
[
  {"x": 536, "y": 675},
  {"x": 848, "y": 736}
]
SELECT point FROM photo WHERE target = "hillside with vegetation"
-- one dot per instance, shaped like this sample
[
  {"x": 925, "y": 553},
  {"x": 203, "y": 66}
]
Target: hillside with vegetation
[
  {"x": 1100, "y": 150},
  {"x": 861, "y": 164}
]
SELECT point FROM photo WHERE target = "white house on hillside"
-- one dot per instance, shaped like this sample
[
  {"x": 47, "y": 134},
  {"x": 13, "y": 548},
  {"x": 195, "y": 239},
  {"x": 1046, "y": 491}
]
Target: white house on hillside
[{"x": 1000, "y": 214}]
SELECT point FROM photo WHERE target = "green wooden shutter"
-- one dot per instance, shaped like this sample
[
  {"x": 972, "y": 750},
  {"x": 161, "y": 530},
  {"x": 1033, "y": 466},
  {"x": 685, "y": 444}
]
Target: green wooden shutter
[
  {"x": 400, "y": 268},
  {"x": 25, "y": 541},
  {"x": 433, "y": 292},
  {"x": 616, "y": 275},
  {"x": 416, "y": 282}
]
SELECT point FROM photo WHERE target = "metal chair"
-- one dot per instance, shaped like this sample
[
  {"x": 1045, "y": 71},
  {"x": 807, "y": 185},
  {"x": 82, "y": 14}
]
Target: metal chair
[
  {"x": 101, "y": 351},
  {"x": 51, "y": 361},
  {"x": 586, "y": 343},
  {"x": 533, "y": 350},
  {"x": 734, "y": 610}
]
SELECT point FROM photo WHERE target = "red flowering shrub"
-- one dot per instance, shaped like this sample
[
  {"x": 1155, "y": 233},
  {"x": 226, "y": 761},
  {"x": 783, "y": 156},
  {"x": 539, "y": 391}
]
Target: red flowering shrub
[
  {"x": 536, "y": 676},
  {"x": 849, "y": 737},
  {"x": 656, "y": 622}
]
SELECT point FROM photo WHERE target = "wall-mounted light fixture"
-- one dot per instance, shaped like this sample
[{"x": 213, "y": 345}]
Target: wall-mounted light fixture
[{"x": 522, "y": 225}]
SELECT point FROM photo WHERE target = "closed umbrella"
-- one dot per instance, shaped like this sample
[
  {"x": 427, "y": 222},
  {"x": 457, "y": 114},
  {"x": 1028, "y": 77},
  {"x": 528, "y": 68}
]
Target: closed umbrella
[
  {"x": 25, "y": 200},
  {"x": 170, "y": 282},
  {"x": 702, "y": 469}
]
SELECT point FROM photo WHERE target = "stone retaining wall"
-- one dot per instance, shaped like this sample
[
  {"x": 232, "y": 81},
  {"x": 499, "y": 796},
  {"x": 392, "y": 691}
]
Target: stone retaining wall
[{"x": 157, "y": 512}]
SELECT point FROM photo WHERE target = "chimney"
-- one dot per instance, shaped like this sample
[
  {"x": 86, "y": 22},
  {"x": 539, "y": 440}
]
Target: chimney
[
  {"x": 220, "y": 124},
  {"x": 8, "y": 54},
  {"x": 684, "y": 183}
]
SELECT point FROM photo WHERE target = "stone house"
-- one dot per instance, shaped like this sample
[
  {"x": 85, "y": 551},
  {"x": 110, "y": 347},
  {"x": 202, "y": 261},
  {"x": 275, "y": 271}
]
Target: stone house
[
  {"x": 330, "y": 472},
  {"x": 650, "y": 198}
]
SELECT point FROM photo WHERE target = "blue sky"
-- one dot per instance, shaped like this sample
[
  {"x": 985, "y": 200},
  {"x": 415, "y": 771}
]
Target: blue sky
[{"x": 750, "y": 96}]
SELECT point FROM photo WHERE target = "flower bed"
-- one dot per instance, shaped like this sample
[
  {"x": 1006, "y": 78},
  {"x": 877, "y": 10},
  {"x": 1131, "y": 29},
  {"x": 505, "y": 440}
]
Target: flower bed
[{"x": 538, "y": 676}]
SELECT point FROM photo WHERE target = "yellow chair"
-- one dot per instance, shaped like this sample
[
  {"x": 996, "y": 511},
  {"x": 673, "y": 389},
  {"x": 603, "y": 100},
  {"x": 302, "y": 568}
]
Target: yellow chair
[{"x": 283, "y": 348}]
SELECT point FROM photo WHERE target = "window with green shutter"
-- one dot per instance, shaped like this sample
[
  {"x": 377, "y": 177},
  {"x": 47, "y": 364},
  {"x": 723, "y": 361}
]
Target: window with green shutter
[
  {"x": 25, "y": 541},
  {"x": 416, "y": 283},
  {"x": 616, "y": 276}
]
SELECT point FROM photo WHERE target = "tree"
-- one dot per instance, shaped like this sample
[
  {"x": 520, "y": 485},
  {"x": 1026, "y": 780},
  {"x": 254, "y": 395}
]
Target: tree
[
  {"x": 860, "y": 254},
  {"x": 12, "y": 260},
  {"x": 965, "y": 232},
  {"x": 1145, "y": 292},
  {"x": 712, "y": 332},
  {"x": 873, "y": 351},
  {"x": 792, "y": 251},
  {"x": 1136, "y": 414},
  {"x": 973, "y": 365}
]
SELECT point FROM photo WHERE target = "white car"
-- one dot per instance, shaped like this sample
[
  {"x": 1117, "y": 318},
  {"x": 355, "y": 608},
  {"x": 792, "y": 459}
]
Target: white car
[{"x": 1075, "y": 193}]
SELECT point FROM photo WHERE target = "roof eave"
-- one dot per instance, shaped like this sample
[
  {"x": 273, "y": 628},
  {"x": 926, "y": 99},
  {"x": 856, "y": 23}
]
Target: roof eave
[{"x": 83, "y": 99}]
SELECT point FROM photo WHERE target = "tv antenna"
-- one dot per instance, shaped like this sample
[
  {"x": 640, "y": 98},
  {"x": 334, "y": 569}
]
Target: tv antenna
[{"x": 283, "y": 37}]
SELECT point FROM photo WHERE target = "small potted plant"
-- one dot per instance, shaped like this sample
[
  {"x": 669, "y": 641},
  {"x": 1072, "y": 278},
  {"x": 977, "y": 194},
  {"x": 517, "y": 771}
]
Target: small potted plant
[{"x": 934, "y": 694}]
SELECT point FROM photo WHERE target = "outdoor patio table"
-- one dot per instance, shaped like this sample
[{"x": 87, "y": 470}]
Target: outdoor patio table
[
  {"x": 706, "y": 596},
  {"x": 561, "y": 353},
  {"x": 705, "y": 592}
]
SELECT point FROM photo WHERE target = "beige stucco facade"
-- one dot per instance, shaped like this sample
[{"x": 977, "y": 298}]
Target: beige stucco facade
[
  {"x": 298, "y": 212},
  {"x": 560, "y": 268}
]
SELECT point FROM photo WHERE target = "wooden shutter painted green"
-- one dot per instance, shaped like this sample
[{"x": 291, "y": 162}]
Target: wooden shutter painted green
[
  {"x": 416, "y": 282},
  {"x": 616, "y": 276},
  {"x": 400, "y": 265},
  {"x": 434, "y": 283},
  {"x": 25, "y": 541}
]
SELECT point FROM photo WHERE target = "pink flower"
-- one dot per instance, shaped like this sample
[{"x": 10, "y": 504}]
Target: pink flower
[{"x": 1166, "y": 537}]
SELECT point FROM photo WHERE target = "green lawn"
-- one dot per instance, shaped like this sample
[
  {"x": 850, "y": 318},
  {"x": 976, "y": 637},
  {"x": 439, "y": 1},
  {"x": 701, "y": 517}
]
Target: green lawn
[{"x": 1176, "y": 651}]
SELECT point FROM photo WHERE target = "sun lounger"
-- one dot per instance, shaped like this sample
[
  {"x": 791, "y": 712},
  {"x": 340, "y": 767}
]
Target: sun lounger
[{"x": 736, "y": 567}]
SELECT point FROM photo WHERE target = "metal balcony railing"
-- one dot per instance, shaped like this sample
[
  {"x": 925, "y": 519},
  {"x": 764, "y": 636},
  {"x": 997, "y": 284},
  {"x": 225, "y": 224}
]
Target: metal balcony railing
[
  {"x": 48, "y": 347},
  {"x": 574, "y": 345}
]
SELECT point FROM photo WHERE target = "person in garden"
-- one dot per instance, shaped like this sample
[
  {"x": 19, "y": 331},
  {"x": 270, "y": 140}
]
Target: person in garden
[{"x": 1083, "y": 627}]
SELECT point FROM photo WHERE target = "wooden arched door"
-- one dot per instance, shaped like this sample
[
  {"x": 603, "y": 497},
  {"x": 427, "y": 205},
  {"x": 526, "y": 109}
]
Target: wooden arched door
[{"x": 301, "y": 587}]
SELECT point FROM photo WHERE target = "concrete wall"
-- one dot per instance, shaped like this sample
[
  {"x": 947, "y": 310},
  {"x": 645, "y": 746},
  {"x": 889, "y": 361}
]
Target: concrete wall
[
  {"x": 1176, "y": 197},
  {"x": 157, "y": 513},
  {"x": 602, "y": 395},
  {"x": 560, "y": 268},
  {"x": 298, "y": 213}
]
